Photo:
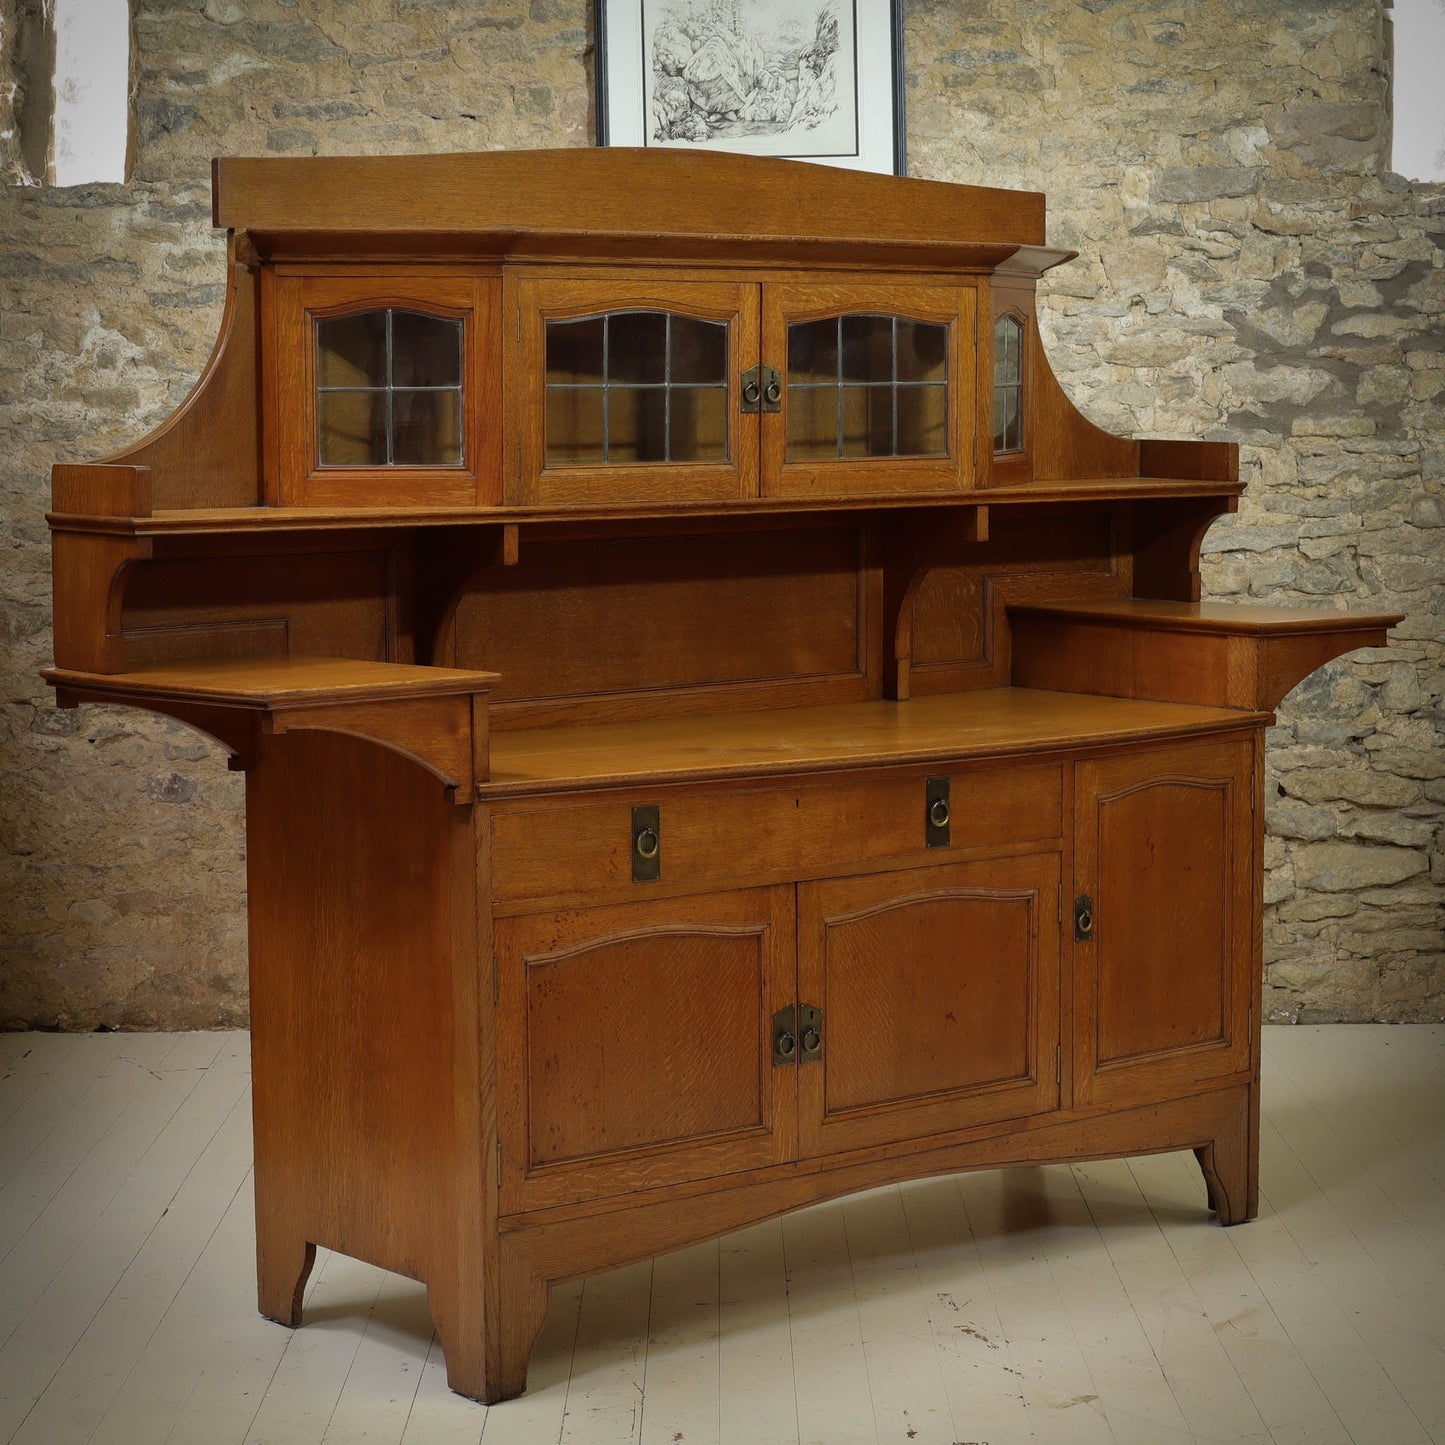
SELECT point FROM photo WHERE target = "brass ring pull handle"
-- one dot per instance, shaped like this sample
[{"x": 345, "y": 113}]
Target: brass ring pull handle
[
  {"x": 938, "y": 813},
  {"x": 785, "y": 1044},
  {"x": 812, "y": 1041},
  {"x": 774, "y": 393},
  {"x": 646, "y": 843},
  {"x": 1086, "y": 922},
  {"x": 752, "y": 393}
]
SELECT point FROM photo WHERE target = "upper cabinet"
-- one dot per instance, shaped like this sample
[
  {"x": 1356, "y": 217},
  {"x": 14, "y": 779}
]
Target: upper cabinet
[{"x": 603, "y": 328}]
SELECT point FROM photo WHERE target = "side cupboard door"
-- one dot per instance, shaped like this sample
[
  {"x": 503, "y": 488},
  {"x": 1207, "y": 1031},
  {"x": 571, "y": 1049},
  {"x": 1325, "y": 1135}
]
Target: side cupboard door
[
  {"x": 937, "y": 991},
  {"x": 1163, "y": 926},
  {"x": 635, "y": 1044}
]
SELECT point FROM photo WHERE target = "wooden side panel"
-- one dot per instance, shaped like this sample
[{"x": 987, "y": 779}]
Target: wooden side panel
[
  {"x": 1065, "y": 443},
  {"x": 208, "y": 452},
  {"x": 1163, "y": 983},
  {"x": 637, "y": 1044},
  {"x": 639, "y": 624},
  {"x": 939, "y": 993},
  {"x": 333, "y": 604},
  {"x": 362, "y": 936}
]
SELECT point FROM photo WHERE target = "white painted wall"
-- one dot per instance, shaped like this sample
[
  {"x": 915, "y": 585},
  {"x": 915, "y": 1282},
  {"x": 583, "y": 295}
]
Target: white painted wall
[
  {"x": 1419, "y": 145},
  {"x": 92, "y": 83}
]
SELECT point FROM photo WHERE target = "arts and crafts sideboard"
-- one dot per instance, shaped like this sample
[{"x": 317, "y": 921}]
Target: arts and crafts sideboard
[{"x": 720, "y": 729}]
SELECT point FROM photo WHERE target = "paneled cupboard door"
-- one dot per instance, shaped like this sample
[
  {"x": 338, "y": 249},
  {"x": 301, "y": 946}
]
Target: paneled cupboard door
[
  {"x": 631, "y": 391},
  {"x": 876, "y": 385},
  {"x": 635, "y": 1044},
  {"x": 939, "y": 990},
  {"x": 1163, "y": 922}
]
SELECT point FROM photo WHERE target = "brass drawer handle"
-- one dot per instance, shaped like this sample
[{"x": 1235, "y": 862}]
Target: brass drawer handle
[
  {"x": 785, "y": 1045},
  {"x": 938, "y": 813},
  {"x": 647, "y": 843},
  {"x": 773, "y": 392}
]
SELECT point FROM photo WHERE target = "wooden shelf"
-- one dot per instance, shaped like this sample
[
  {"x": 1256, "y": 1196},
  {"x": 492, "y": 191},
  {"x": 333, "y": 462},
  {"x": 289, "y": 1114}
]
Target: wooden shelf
[
  {"x": 271, "y": 683},
  {"x": 1226, "y": 619},
  {"x": 211, "y": 520},
  {"x": 952, "y": 726},
  {"x": 435, "y": 715},
  {"x": 1215, "y": 653}
]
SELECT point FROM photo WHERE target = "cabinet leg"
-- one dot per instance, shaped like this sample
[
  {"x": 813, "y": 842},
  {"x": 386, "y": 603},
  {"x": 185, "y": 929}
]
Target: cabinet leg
[
  {"x": 1227, "y": 1164},
  {"x": 283, "y": 1265},
  {"x": 488, "y": 1341}
]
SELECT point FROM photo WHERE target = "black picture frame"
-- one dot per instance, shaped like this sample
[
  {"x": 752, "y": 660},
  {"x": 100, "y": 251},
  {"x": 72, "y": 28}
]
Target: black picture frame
[{"x": 604, "y": 84}]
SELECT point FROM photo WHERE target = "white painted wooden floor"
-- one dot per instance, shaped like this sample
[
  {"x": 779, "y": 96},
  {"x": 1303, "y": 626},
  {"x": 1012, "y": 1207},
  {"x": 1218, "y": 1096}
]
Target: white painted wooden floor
[{"x": 1098, "y": 1303}]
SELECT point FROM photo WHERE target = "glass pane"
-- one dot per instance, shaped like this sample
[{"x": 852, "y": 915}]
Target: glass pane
[
  {"x": 426, "y": 428},
  {"x": 868, "y": 421},
  {"x": 351, "y": 350},
  {"x": 812, "y": 423},
  {"x": 813, "y": 351},
  {"x": 867, "y": 348},
  {"x": 922, "y": 421},
  {"x": 1007, "y": 350},
  {"x": 636, "y": 425},
  {"x": 574, "y": 426},
  {"x": 699, "y": 350},
  {"x": 351, "y": 428},
  {"x": 922, "y": 351},
  {"x": 1007, "y": 423},
  {"x": 698, "y": 425},
  {"x": 637, "y": 346},
  {"x": 425, "y": 350},
  {"x": 574, "y": 350}
]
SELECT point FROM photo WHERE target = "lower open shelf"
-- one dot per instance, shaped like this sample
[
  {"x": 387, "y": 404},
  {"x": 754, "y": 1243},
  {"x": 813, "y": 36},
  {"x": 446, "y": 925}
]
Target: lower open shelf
[{"x": 994, "y": 722}]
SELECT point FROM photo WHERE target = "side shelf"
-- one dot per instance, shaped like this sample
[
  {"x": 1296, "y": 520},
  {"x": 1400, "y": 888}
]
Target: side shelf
[
  {"x": 1212, "y": 653},
  {"x": 435, "y": 716}
]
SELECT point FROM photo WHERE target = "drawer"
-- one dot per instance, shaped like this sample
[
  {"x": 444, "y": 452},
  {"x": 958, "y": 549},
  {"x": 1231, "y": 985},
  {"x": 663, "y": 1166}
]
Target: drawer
[{"x": 808, "y": 829}]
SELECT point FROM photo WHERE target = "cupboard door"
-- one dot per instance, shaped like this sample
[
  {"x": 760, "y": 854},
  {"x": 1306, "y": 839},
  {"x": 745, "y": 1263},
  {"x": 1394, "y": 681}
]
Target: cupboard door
[
  {"x": 635, "y": 1044},
  {"x": 877, "y": 389},
  {"x": 379, "y": 388},
  {"x": 631, "y": 391},
  {"x": 939, "y": 992},
  {"x": 1163, "y": 963}
]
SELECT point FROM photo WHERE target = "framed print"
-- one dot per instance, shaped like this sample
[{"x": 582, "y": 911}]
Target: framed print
[{"x": 815, "y": 80}]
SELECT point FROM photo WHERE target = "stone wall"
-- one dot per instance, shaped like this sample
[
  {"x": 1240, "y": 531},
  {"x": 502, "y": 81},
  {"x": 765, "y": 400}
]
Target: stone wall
[{"x": 1248, "y": 270}]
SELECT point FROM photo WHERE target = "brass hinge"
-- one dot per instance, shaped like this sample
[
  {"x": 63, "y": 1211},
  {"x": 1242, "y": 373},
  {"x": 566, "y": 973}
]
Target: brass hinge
[
  {"x": 496, "y": 979},
  {"x": 1251, "y": 792},
  {"x": 1061, "y": 902},
  {"x": 499, "y": 1156},
  {"x": 1058, "y": 1063},
  {"x": 519, "y": 323}
]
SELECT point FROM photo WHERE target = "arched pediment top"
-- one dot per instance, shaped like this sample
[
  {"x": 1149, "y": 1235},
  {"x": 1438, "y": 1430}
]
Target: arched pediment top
[{"x": 649, "y": 195}]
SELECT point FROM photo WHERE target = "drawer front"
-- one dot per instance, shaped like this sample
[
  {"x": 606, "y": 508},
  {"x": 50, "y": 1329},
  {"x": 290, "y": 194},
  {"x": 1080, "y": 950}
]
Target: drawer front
[{"x": 811, "y": 829}]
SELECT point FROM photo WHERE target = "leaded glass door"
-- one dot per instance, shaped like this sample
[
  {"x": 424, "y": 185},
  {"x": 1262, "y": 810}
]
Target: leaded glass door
[
  {"x": 876, "y": 388},
  {"x": 631, "y": 391}
]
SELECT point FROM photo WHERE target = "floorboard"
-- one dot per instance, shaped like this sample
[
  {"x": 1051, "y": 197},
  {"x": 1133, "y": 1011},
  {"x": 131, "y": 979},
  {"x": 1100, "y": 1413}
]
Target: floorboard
[{"x": 1099, "y": 1303}]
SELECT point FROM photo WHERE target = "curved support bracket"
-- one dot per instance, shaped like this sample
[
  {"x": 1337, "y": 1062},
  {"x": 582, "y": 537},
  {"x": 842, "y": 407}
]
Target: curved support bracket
[
  {"x": 913, "y": 545},
  {"x": 88, "y": 574}
]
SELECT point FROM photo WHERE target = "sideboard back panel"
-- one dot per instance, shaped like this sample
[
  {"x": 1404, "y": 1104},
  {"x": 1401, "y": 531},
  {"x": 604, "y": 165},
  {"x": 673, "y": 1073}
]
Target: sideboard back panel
[{"x": 673, "y": 621}]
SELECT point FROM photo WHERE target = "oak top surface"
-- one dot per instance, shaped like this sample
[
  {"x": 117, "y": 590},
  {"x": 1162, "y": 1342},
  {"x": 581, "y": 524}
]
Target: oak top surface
[
  {"x": 1215, "y": 617},
  {"x": 274, "y": 681},
  {"x": 995, "y": 722}
]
